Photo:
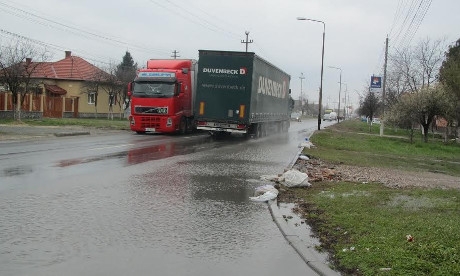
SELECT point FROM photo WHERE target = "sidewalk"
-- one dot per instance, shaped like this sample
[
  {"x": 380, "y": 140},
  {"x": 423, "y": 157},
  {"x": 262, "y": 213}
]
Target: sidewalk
[{"x": 21, "y": 132}]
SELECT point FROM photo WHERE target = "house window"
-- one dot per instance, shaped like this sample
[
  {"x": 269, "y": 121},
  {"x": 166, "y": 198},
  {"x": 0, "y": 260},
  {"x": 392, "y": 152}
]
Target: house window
[{"x": 91, "y": 98}]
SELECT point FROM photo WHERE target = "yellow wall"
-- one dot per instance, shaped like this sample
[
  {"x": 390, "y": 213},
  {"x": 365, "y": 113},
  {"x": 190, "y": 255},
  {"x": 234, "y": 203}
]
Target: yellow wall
[{"x": 75, "y": 89}]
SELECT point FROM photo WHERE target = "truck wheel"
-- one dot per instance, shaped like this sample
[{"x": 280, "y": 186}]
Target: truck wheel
[{"x": 183, "y": 126}]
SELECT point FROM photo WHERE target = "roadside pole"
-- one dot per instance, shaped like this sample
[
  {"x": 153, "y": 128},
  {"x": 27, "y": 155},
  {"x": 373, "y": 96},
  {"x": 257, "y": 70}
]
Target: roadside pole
[{"x": 382, "y": 121}]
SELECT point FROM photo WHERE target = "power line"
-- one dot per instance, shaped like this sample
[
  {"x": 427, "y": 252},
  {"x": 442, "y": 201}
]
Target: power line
[
  {"x": 53, "y": 46},
  {"x": 65, "y": 27},
  {"x": 209, "y": 15},
  {"x": 416, "y": 22},
  {"x": 412, "y": 21},
  {"x": 396, "y": 17},
  {"x": 411, "y": 7},
  {"x": 199, "y": 18}
]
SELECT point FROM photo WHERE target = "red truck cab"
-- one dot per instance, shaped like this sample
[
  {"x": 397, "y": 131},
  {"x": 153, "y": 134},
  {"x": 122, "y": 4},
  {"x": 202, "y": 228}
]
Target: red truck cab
[{"x": 162, "y": 96}]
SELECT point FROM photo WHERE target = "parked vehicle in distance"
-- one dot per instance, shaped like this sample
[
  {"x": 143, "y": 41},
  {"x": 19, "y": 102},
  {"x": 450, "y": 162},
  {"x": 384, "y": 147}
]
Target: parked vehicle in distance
[
  {"x": 239, "y": 92},
  {"x": 332, "y": 116},
  {"x": 162, "y": 96},
  {"x": 376, "y": 120},
  {"x": 296, "y": 116}
]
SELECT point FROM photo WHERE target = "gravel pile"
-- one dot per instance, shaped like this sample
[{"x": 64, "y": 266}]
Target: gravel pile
[{"x": 319, "y": 170}]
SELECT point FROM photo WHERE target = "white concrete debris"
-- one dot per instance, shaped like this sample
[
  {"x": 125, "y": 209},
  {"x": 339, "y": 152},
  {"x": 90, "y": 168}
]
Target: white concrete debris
[
  {"x": 303, "y": 157},
  {"x": 264, "y": 193},
  {"x": 295, "y": 178}
]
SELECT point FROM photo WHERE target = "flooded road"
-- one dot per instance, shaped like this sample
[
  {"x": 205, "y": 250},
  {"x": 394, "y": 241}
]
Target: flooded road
[{"x": 143, "y": 205}]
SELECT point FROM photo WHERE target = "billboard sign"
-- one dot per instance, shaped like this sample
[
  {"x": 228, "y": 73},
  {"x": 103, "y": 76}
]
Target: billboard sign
[{"x": 376, "y": 84}]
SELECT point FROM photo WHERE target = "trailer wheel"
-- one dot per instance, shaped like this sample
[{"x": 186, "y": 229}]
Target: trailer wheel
[
  {"x": 264, "y": 130},
  {"x": 259, "y": 131}
]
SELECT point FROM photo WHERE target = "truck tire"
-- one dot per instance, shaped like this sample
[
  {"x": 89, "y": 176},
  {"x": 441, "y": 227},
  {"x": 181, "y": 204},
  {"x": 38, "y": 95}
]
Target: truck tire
[
  {"x": 183, "y": 126},
  {"x": 264, "y": 130},
  {"x": 279, "y": 127},
  {"x": 259, "y": 131}
]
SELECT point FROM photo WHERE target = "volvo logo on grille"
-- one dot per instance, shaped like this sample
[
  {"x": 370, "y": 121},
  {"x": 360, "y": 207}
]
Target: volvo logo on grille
[{"x": 151, "y": 110}]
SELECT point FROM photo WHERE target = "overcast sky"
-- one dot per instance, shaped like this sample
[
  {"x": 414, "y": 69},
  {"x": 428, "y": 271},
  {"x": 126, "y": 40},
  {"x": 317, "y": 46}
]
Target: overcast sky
[{"x": 102, "y": 31}]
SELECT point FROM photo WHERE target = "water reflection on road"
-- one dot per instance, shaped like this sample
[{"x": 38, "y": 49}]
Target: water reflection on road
[{"x": 169, "y": 208}]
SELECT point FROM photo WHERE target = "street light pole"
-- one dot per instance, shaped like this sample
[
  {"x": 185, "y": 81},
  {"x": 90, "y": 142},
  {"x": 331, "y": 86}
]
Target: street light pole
[
  {"x": 301, "y": 92},
  {"x": 340, "y": 90},
  {"x": 322, "y": 67},
  {"x": 345, "y": 103}
]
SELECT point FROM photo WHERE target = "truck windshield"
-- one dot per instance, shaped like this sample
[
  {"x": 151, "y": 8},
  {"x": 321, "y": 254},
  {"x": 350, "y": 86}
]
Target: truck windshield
[{"x": 153, "y": 89}]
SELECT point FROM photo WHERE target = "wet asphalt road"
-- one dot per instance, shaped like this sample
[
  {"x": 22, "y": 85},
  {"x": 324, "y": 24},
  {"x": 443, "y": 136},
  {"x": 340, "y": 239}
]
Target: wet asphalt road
[{"x": 126, "y": 204}]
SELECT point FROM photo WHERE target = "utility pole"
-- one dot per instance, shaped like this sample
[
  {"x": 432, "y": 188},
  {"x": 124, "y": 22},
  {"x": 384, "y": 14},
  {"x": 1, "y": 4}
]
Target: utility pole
[
  {"x": 345, "y": 107},
  {"x": 175, "y": 54},
  {"x": 247, "y": 40},
  {"x": 382, "y": 120},
  {"x": 301, "y": 92}
]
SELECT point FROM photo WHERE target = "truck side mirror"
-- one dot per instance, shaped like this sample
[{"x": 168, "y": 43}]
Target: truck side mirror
[
  {"x": 289, "y": 91},
  {"x": 130, "y": 88}
]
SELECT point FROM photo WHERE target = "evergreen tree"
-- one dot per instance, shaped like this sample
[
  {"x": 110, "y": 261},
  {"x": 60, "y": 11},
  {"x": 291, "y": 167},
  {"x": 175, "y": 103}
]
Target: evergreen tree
[
  {"x": 125, "y": 73},
  {"x": 449, "y": 75}
]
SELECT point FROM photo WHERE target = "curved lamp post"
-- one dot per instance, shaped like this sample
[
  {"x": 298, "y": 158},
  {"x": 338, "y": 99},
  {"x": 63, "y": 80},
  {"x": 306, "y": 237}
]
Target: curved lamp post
[{"x": 322, "y": 66}]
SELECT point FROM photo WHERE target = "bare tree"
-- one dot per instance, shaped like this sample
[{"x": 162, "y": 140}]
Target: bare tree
[
  {"x": 17, "y": 68},
  {"x": 417, "y": 68},
  {"x": 93, "y": 86},
  {"x": 113, "y": 86}
]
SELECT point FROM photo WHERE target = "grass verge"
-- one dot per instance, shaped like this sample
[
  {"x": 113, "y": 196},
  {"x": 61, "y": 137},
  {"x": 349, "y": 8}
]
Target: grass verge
[
  {"x": 346, "y": 143},
  {"x": 116, "y": 124},
  {"x": 365, "y": 227}
]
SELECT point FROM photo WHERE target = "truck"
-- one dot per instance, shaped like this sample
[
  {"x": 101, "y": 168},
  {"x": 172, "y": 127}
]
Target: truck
[
  {"x": 162, "y": 96},
  {"x": 239, "y": 92}
]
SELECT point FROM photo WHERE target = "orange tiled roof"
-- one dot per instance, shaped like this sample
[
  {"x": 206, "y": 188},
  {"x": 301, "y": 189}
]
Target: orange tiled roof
[
  {"x": 55, "y": 89},
  {"x": 69, "y": 68}
]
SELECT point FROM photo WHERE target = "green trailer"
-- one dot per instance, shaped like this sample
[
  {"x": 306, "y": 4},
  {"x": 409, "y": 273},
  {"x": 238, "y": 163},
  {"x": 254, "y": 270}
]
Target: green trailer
[{"x": 239, "y": 92}]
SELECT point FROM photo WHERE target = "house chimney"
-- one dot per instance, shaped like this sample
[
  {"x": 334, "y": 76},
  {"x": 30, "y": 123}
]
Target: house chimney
[
  {"x": 28, "y": 61},
  {"x": 68, "y": 54}
]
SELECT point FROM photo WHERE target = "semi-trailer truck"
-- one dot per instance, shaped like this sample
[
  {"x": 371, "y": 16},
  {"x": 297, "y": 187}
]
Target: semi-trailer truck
[
  {"x": 239, "y": 92},
  {"x": 162, "y": 96}
]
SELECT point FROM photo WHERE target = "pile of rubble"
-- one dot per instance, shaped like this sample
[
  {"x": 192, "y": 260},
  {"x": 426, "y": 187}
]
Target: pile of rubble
[{"x": 317, "y": 170}]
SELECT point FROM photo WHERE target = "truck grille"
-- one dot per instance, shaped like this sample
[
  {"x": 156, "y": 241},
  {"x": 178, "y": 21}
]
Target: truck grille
[
  {"x": 150, "y": 110},
  {"x": 150, "y": 122}
]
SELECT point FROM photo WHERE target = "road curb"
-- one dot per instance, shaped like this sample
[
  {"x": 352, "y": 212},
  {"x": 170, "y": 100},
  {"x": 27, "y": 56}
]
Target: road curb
[
  {"x": 73, "y": 133},
  {"x": 305, "y": 247}
]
